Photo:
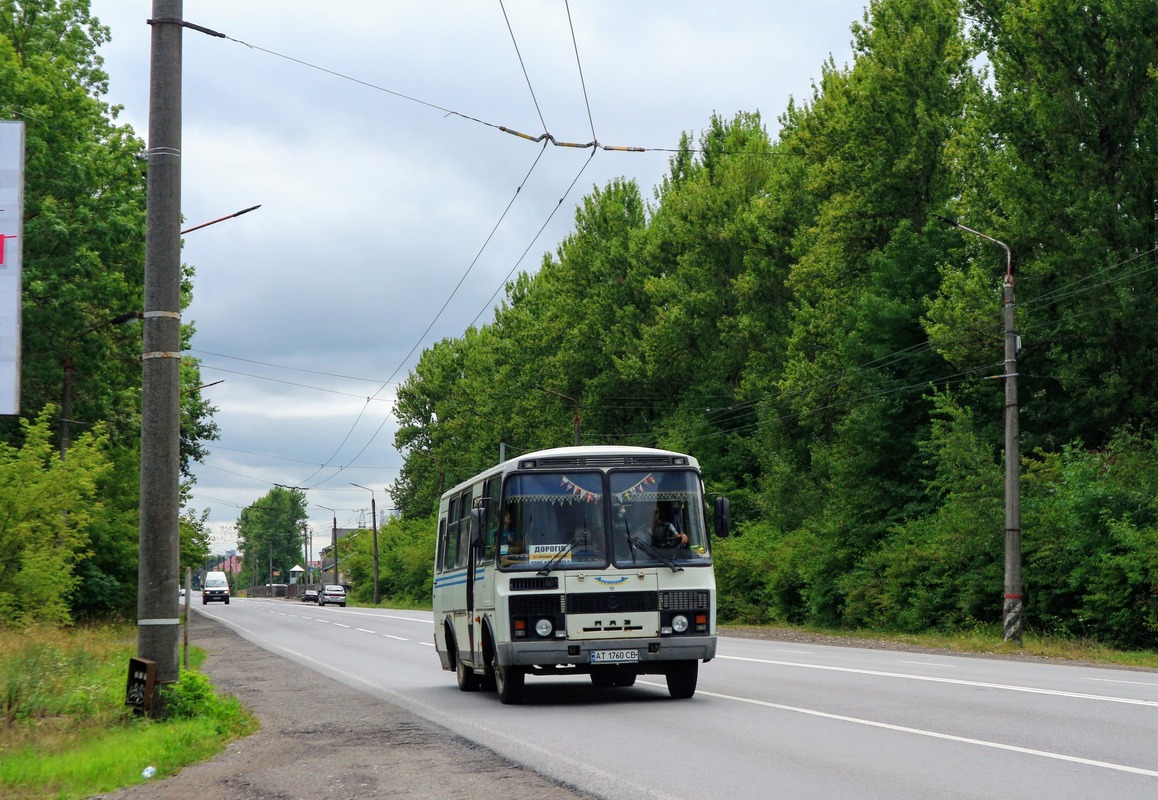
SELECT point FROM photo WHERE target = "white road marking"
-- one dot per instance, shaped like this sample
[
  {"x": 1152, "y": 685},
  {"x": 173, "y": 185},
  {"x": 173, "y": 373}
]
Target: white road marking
[
  {"x": 1113, "y": 680},
  {"x": 956, "y": 681},
  {"x": 930, "y": 734},
  {"x": 928, "y": 664}
]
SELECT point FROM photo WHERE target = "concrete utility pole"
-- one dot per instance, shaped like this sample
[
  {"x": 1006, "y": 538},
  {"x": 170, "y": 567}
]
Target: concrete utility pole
[
  {"x": 374, "y": 529},
  {"x": 334, "y": 540},
  {"x": 1012, "y": 601},
  {"x": 157, "y": 573}
]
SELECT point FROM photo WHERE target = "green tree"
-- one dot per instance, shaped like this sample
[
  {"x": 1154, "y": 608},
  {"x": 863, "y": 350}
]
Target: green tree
[
  {"x": 84, "y": 215},
  {"x": 873, "y": 139},
  {"x": 46, "y": 509},
  {"x": 195, "y": 540},
  {"x": 271, "y": 534},
  {"x": 1063, "y": 159},
  {"x": 83, "y": 267},
  {"x": 1091, "y": 540}
]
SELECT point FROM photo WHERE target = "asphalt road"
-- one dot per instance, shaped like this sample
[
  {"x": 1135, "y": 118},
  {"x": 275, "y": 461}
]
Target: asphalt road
[{"x": 770, "y": 718}]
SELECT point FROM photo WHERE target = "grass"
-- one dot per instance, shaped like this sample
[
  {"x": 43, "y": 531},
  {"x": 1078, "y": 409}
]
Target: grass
[{"x": 66, "y": 731}]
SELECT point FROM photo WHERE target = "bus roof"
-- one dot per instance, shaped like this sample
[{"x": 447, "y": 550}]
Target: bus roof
[{"x": 568, "y": 452}]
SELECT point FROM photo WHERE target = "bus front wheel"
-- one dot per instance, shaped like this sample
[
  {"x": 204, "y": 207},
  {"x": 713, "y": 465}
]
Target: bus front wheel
[
  {"x": 509, "y": 682},
  {"x": 681, "y": 679}
]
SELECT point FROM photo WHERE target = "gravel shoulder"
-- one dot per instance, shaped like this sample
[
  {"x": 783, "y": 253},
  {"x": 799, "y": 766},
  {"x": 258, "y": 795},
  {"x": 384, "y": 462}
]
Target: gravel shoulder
[{"x": 322, "y": 740}]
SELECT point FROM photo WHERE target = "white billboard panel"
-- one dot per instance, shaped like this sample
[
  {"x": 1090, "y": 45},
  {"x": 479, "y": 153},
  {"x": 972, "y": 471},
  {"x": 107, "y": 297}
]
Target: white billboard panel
[{"x": 11, "y": 249}]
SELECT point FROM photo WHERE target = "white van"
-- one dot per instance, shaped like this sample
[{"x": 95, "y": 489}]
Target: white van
[{"x": 215, "y": 587}]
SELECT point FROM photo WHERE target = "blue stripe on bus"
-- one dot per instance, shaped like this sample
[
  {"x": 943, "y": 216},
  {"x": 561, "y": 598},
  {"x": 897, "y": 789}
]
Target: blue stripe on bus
[{"x": 458, "y": 577}]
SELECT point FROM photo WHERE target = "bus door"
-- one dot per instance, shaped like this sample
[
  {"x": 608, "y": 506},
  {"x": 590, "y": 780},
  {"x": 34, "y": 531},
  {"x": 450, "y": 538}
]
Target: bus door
[{"x": 485, "y": 526}]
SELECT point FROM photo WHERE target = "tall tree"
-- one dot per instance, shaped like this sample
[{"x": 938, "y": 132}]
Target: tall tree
[
  {"x": 872, "y": 142},
  {"x": 84, "y": 268},
  {"x": 1064, "y": 164},
  {"x": 271, "y": 534}
]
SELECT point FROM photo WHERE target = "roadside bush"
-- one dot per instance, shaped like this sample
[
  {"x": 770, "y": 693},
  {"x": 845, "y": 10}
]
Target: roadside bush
[{"x": 193, "y": 697}]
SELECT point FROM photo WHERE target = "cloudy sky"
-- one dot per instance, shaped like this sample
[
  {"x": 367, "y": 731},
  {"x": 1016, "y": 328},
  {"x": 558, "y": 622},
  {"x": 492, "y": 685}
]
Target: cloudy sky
[{"x": 368, "y": 132}]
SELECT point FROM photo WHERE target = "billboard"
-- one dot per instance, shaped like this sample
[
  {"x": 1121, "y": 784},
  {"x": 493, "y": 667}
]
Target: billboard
[{"x": 11, "y": 249}]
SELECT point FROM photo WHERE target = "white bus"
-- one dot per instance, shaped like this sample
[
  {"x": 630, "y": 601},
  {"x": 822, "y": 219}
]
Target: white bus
[{"x": 577, "y": 560}]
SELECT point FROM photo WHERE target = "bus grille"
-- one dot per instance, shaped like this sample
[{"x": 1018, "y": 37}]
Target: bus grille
[
  {"x": 536, "y": 604},
  {"x": 603, "y": 602},
  {"x": 684, "y": 600},
  {"x": 536, "y": 584}
]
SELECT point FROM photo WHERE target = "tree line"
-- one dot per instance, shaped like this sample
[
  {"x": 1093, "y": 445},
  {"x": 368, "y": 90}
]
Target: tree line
[
  {"x": 784, "y": 305},
  {"x": 789, "y": 308},
  {"x": 69, "y": 504}
]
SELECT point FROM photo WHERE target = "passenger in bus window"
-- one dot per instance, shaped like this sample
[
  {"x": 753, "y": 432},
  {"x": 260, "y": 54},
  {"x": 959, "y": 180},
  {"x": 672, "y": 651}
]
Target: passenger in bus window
[
  {"x": 663, "y": 532},
  {"x": 510, "y": 540}
]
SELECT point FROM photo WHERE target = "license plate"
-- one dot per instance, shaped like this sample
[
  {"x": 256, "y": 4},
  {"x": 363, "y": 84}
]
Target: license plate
[{"x": 614, "y": 656}]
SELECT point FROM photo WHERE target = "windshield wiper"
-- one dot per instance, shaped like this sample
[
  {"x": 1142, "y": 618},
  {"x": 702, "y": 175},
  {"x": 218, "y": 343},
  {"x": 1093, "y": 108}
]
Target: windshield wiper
[
  {"x": 550, "y": 565},
  {"x": 647, "y": 548}
]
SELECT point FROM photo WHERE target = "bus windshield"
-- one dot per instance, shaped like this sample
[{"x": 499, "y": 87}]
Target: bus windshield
[{"x": 576, "y": 519}]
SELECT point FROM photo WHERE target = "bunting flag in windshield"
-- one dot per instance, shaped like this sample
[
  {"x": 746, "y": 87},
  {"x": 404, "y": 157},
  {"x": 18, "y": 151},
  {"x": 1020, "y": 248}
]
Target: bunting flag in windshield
[
  {"x": 640, "y": 490},
  {"x": 556, "y": 489}
]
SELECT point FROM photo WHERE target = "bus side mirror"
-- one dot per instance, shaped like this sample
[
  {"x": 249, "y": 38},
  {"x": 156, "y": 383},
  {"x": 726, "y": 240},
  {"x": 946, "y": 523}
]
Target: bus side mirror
[
  {"x": 722, "y": 517},
  {"x": 478, "y": 527}
]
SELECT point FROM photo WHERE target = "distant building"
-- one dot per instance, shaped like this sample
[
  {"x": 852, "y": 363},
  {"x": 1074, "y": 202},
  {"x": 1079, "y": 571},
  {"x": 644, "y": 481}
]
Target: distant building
[{"x": 231, "y": 565}]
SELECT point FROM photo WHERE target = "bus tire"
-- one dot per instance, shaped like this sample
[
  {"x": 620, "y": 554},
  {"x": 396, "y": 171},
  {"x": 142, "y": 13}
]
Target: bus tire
[
  {"x": 624, "y": 676},
  {"x": 509, "y": 682},
  {"x": 467, "y": 680},
  {"x": 681, "y": 679},
  {"x": 487, "y": 681},
  {"x": 602, "y": 677}
]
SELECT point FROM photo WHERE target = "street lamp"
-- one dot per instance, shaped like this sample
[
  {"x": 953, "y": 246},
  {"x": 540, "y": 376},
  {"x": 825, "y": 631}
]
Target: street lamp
[
  {"x": 66, "y": 391},
  {"x": 1012, "y": 601},
  {"x": 334, "y": 540},
  {"x": 374, "y": 528}
]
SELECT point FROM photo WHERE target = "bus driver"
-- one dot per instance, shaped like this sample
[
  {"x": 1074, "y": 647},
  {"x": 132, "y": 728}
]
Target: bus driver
[{"x": 663, "y": 532}]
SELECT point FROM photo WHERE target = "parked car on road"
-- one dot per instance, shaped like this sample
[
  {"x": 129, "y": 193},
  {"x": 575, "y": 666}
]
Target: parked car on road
[
  {"x": 332, "y": 594},
  {"x": 310, "y": 596}
]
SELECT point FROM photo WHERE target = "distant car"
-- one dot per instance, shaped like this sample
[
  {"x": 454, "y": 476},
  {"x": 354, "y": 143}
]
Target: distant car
[
  {"x": 310, "y": 596},
  {"x": 332, "y": 594},
  {"x": 215, "y": 588}
]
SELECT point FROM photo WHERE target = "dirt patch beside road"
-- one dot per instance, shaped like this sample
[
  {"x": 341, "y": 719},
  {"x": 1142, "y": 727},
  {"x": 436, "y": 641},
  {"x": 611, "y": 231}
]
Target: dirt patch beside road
[{"x": 322, "y": 740}]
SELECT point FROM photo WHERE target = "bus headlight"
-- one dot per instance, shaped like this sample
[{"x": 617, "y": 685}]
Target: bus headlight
[
  {"x": 544, "y": 627},
  {"x": 679, "y": 623}
]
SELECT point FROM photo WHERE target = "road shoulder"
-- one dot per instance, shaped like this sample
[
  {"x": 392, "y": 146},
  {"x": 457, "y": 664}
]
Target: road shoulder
[{"x": 321, "y": 739}]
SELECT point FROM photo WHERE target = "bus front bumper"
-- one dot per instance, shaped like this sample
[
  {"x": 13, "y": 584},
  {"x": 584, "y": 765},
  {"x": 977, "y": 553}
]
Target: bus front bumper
[{"x": 650, "y": 652}]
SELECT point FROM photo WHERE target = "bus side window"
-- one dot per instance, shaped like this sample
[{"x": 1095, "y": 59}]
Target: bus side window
[
  {"x": 463, "y": 529},
  {"x": 491, "y": 494},
  {"x": 441, "y": 555},
  {"x": 451, "y": 558}
]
